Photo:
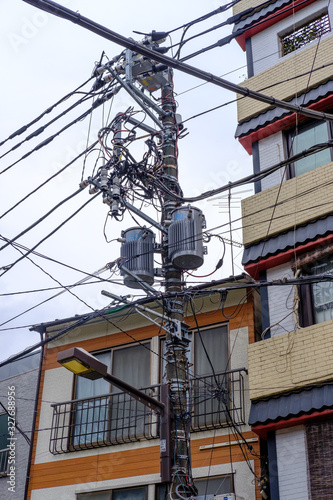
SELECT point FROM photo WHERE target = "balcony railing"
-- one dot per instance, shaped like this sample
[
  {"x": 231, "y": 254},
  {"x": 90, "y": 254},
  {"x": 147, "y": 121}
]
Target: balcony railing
[
  {"x": 117, "y": 418},
  {"x": 4, "y": 462},
  {"x": 306, "y": 34}
]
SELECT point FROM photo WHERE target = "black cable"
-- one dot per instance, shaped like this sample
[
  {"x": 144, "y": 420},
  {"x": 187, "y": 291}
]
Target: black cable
[
  {"x": 63, "y": 12},
  {"x": 97, "y": 103},
  {"x": 17, "y": 245},
  {"x": 12, "y": 240},
  {"x": 41, "y": 129},
  {"x": 226, "y": 40},
  {"x": 8, "y": 268},
  {"x": 48, "y": 110},
  {"x": 250, "y": 178},
  {"x": 49, "y": 289},
  {"x": 89, "y": 149},
  {"x": 231, "y": 20}
]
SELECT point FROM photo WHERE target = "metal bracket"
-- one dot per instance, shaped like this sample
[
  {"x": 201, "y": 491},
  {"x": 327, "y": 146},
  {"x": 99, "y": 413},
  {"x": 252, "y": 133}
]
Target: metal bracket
[{"x": 178, "y": 329}]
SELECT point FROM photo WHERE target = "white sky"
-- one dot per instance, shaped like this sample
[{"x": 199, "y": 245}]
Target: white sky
[{"x": 44, "y": 58}]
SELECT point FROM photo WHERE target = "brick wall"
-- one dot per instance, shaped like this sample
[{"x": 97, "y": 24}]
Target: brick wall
[
  {"x": 291, "y": 361},
  {"x": 299, "y": 200}
]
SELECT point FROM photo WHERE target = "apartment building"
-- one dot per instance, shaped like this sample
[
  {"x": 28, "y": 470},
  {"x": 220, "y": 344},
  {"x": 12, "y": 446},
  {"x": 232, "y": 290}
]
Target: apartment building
[
  {"x": 94, "y": 442},
  {"x": 18, "y": 387},
  {"x": 287, "y": 232}
]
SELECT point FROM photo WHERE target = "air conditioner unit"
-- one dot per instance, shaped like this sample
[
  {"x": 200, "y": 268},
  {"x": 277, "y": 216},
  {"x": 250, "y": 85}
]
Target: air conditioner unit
[{"x": 228, "y": 496}]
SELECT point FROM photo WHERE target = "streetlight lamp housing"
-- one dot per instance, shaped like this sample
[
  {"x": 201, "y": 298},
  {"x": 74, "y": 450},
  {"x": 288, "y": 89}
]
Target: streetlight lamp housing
[{"x": 82, "y": 363}]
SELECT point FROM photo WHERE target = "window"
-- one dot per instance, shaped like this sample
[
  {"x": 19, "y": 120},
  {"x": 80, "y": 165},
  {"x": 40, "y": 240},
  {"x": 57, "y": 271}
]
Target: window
[
  {"x": 104, "y": 413},
  {"x": 305, "y": 34},
  {"x": 123, "y": 494},
  {"x": 316, "y": 303},
  {"x": 303, "y": 138},
  {"x": 4, "y": 441},
  {"x": 207, "y": 488},
  {"x": 210, "y": 388}
]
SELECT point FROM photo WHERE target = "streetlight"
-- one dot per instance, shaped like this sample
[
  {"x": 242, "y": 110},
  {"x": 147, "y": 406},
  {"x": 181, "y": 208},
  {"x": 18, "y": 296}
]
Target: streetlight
[{"x": 83, "y": 364}]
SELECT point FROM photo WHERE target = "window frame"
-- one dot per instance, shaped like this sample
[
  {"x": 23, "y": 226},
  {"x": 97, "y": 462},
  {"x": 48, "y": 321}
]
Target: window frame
[
  {"x": 306, "y": 263},
  {"x": 289, "y": 136},
  {"x": 71, "y": 437},
  {"x": 83, "y": 495}
]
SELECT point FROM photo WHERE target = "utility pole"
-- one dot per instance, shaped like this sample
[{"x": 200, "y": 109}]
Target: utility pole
[
  {"x": 137, "y": 70},
  {"x": 176, "y": 345}
]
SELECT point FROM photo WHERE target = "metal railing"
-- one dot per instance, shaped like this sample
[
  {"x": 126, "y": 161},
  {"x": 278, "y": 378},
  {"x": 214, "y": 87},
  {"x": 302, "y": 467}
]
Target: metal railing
[
  {"x": 306, "y": 34},
  {"x": 217, "y": 400},
  {"x": 117, "y": 418},
  {"x": 4, "y": 454}
]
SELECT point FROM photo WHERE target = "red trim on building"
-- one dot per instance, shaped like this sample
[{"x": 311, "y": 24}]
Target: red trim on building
[
  {"x": 283, "y": 257},
  {"x": 271, "y": 19},
  {"x": 261, "y": 430},
  {"x": 283, "y": 124}
]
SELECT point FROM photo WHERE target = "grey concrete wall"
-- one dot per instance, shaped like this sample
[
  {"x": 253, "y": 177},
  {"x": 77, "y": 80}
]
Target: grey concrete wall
[{"x": 25, "y": 392}]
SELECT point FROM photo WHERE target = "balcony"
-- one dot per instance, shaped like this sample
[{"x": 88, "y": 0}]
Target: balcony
[{"x": 117, "y": 418}]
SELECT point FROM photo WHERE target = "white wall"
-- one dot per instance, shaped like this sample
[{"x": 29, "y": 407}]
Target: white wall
[
  {"x": 292, "y": 463},
  {"x": 266, "y": 44},
  {"x": 271, "y": 152},
  {"x": 280, "y": 300}
]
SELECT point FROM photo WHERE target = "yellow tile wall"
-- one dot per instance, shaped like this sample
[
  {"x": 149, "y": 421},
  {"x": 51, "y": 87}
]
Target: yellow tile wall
[
  {"x": 291, "y": 361},
  {"x": 245, "y": 4},
  {"x": 299, "y": 200},
  {"x": 297, "y": 63}
]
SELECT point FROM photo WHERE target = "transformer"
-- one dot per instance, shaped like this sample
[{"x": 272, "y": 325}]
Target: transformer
[
  {"x": 137, "y": 252},
  {"x": 185, "y": 238}
]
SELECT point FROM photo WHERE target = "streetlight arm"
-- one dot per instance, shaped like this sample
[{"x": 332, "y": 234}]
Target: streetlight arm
[{"x": 140, "y": 396}]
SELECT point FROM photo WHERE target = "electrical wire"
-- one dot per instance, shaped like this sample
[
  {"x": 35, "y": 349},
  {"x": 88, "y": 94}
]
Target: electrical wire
[
  {"x": 41, "y": 129},
  {"x": 226, "y": 40},
  {"x": 72, "y": 16},
  {"x": 86, "y": 151},
  {"x": 48, "y": 110},
  {"x": 34, "y": 224},
  {"x": 10, "y": 266},
  {"x": 47, "y": 141}
]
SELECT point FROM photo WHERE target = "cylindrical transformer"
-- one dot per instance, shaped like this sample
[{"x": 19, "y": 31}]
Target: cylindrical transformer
[
  {"x": 185, "y": 238},
  {"x": 137, "y": 252}
]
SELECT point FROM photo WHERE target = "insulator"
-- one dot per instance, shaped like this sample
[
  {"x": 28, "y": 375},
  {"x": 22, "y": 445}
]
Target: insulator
[
  {"x": 185, "y": 238},
  {"x": 103, "y": 178},
  {"x": 137, "y": 252}
]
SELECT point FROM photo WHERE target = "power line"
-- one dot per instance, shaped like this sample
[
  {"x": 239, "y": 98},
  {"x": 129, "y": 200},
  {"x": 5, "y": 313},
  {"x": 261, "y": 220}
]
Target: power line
[
  {"x": 86, "y": 151},
  {"x": 34, "y": 224},
  {"x": 226, "y": 40},
  {"x": 47, "y": 141},
  {"x": 10, "y": 266},
  {"x": 58, "y": 10},
  {"x": 48, "y": 110}
]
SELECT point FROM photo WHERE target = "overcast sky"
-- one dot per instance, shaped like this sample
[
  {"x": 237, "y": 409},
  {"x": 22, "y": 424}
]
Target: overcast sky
[{"x": 43, "y": 59}]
